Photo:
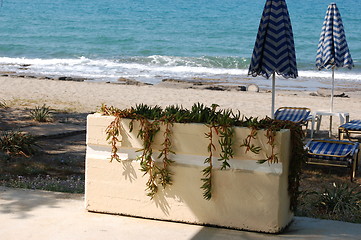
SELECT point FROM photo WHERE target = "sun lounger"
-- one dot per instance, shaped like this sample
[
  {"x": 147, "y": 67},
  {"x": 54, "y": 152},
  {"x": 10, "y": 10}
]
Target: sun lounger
[
  {"x": 333, "y": 153},
  {"x": 301, "y": 115},
  {"x": 348, "y": 128}
]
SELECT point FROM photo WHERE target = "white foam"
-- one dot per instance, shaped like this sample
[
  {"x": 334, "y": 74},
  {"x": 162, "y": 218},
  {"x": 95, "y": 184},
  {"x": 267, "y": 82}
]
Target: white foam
[
  {"x": 349, "y": 75},
  {"x": 151, "y": 69}
]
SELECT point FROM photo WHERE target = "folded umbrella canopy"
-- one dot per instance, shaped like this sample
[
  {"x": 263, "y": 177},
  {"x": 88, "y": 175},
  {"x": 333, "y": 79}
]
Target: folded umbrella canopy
[
  {"x": 274, "y": 50},
  {"x": 332, "y": 49}
]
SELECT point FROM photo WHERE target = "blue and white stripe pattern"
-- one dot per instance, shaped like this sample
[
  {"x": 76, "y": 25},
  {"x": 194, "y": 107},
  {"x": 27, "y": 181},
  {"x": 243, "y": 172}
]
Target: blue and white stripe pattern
[
  {"x": 354, "y": 125},
  {"x": 332, "y": 49},
  {"x": 294, "y": 114},
  {"x": 332, "y": 149},
  {"x": 274, "y": 49}
]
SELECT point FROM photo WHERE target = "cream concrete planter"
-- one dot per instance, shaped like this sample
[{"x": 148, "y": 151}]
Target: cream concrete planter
[{"x": 248, "y": 196}]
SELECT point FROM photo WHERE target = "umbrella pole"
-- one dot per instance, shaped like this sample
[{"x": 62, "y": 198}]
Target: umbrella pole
[
  {"x": 273, "y": 95},
  {"x": 332, "y": 93},
  {"x": 333, "y": 87}
]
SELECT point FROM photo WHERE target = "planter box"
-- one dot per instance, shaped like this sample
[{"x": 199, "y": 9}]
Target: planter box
[{"x": 248, "y": 196}]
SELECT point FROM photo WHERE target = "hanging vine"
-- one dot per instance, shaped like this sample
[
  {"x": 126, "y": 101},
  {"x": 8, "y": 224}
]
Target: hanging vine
[
  {"x": 226, "y": 121},
  {"x": 147, "y": 133},
  {"x": 207, "y": 171},
  {"x": 113, "y": 131},
  {"x": 271, "y": 135},
  {"x": 247, "y": 142},
  {"x": 165, "y": 174},
  {"x": 226, "y": 143}
]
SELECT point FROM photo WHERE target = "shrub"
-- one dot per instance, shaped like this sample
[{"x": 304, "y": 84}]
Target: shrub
[
  {"x": 340, "y": 199},
  {"x": 17, "y": 143},
  {"x": 41, "y": 114},
  {"x": 3, "y": 103},
  {"x": 338, "y": 202}
]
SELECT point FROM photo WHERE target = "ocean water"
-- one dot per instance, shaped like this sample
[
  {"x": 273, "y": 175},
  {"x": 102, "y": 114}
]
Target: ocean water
[{"x": 151, "y": 40}]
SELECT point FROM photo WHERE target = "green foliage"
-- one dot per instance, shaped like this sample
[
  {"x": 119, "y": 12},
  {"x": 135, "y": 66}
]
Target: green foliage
[
  {"x": 41, "y": 114},
  {"x": 340, "y": 199},
  {"x": 165, "y": 174},
  {"x": 16, "y": 143},
  {"x": 147, "y": 133},
  {"x": 338, "y": 202},
  {"x": 113, "y": 131},
  {"x": 145, "y": 111},
  {"x": 207, "y": 171},
  {"x": 248, "y": 145},
  {"x": 202, "y": 114},
  {"x": 174, "y": 114},
  {"x": 226, "y": 142},
  {"x": 225, "y": 121},
  {"x": 221, "y": 122},
  {"x": 3, "y": 103}
]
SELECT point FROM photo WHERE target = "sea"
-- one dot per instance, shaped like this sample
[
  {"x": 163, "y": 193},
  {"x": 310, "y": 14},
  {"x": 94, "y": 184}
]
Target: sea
[{"x": 152, "y": 40}]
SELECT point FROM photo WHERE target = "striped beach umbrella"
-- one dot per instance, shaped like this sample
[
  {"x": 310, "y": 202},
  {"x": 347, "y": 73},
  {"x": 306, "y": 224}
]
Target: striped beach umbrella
[
  {"x": 332, "y": 49},
  {"x": 274, "y": 50}
]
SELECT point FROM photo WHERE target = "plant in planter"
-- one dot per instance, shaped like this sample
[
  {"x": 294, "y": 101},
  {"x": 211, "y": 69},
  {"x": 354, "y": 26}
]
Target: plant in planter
[{"x": 220, "y": 123}]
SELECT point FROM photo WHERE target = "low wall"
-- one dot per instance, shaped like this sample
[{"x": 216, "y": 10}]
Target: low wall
[{"x": 248, "y": 196}]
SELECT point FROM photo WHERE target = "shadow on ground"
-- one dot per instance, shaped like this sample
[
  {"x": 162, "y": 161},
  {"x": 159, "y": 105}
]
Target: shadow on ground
[{"x": 12, "y": 202}]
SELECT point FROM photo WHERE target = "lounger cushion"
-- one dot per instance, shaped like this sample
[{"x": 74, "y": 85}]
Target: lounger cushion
[
  {"x": 331, "y": 149},
  {"x": 293, "y": 114},
  {"x": 354, "y": 125}
]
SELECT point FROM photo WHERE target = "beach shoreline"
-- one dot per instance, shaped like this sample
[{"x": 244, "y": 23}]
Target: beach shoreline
[
  {"x": 83, "y": 96},
  {"x": 304, "y": 82}
]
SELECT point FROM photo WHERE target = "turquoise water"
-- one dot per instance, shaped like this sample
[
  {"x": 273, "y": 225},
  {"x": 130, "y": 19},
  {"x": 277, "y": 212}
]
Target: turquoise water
[{"x": 150, "y": 40}]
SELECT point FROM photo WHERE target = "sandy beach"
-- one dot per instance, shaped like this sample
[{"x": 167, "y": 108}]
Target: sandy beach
[{"x": 89, "y": 96}]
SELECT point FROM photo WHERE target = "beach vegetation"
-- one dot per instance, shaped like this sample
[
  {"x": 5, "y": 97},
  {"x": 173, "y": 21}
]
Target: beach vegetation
[
  {"x": 220, "y": 123},
  {"x": 70, "y": 184},
  {"x": 337, "y": 201},
  {"x": 14, "y": 143},
  {"x": 41, "y": 113},
  {"x": 339, "y": 198},
  {"x": 24, "y": 164},
  {"x": 3, "y": 104}
]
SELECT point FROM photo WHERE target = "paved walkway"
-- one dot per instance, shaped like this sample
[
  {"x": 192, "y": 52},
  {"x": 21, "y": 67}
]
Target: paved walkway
[
  {"x": 40, "y": 215},
  {"x": 53, "y": 129}
]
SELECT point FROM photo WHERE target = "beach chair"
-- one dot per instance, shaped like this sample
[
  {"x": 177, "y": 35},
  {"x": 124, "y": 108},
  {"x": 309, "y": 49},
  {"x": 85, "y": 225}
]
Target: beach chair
[
  {"x": 334, "y": 153},
  {"x": 300, "y": 115},
  {"x": 351, "y": 127}
]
